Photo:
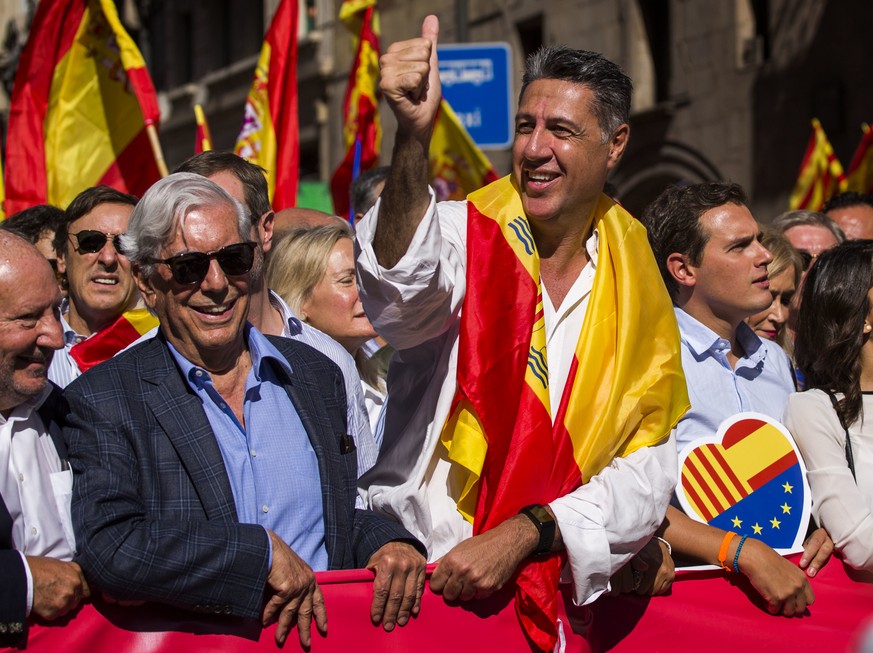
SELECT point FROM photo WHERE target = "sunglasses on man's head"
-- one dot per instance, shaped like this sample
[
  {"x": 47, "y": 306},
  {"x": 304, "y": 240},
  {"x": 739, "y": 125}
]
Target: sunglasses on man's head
[
  {"x": 191, "y": 267},
  {"x": 90, "y": 242}
]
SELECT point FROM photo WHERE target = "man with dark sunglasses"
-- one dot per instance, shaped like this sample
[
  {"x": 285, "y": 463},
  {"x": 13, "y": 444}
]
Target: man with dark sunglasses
[
  {"x": 100, "y": 286},
  {"x": 246, "y": 183},
  {"x": 216, "y": 472}
]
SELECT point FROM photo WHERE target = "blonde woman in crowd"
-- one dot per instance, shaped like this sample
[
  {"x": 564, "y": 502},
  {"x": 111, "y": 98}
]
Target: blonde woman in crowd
[
  {"x": 784, "y": 273},
  {"x": 314, "y": 272}
]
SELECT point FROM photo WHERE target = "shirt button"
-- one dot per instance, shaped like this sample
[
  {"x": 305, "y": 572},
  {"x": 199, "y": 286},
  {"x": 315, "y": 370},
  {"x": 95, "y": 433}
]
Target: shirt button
[
  {"x": 265, "y": 508},
  {"x": 222, "y": 406},
  {"x": 21, "y": 478},
  {"x": 254, "y": 454},
  {"x": 198, "y": 372},
  {"x": 33, "y": 530}
]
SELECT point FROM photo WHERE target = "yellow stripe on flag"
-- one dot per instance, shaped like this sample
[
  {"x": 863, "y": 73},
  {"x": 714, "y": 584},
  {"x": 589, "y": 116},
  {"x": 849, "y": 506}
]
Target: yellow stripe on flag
[
  {"x": 257, "y": 142},
  {"x": 90, "y": 87}
]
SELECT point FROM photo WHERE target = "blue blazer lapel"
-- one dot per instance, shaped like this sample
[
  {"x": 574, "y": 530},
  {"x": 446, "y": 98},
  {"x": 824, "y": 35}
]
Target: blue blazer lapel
[{"x": 181, "y": 416}]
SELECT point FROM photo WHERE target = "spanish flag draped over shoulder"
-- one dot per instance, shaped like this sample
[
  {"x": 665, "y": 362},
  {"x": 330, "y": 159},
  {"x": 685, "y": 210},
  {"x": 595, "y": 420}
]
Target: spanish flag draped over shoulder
[
  {"x": 203, "y": 141},
  {"x": 80, "y": 106},
  {"x": 269, "y": 136},
  {"x": 362, "y": 133},
  {"x": 110, "y": 340},
  {"x": 457, "y": 165},
  {"x": 821, "y": 174},
  {"x": 625, "y": 388},
  {"x": 860, "y": 175}
]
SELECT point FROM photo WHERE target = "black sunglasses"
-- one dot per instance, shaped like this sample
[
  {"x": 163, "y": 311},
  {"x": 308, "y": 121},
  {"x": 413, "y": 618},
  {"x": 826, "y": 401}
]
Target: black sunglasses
[
  {"x": 807, "y": 258},
  {"x": 91, "y": 242},
  {"x": 191, "y": 267}
]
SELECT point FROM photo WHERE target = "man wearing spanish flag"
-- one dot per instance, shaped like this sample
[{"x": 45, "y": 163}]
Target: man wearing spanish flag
[{"x": 537, "y": 374}]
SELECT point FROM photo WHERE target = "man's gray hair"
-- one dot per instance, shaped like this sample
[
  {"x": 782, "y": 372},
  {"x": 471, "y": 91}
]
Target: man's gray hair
[
  {"x": 610, "y": 85},
  {"x": 800, "y": 218},
  {"x": 163, "y": 210}
]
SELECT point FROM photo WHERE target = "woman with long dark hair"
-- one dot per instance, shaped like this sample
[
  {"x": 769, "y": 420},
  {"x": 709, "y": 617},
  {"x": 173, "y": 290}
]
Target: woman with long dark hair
[{"x": 833, "y": 421}]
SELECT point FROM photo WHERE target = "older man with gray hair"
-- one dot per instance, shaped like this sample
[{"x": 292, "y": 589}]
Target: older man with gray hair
[{"x": 214, "y": 468}]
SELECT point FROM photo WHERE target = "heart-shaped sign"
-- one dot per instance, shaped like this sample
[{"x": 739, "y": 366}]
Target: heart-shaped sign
[{"x": 749, "y": 479}]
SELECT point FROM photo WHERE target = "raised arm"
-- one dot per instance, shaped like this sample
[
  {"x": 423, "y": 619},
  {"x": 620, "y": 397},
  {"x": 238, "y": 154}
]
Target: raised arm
[{"x": 410, "y": 83}]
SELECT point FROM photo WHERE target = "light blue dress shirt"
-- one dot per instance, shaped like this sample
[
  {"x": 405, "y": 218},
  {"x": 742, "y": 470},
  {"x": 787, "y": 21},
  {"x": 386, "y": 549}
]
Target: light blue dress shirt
[
  {"x": 760, "y": 382},
  {"x": 272, "y": 468}
]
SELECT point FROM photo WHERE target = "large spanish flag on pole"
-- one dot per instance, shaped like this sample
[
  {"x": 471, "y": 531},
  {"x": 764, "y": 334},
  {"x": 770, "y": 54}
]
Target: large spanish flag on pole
[
  {"x": 362, "y": 133},
  {"x": 269, "y": 135},
  {"x": 457, "y": 165},
  {"x": 821, "y": 173},
  {"x": 83, "y": 108},
  {"x": 860, "y": 173}
]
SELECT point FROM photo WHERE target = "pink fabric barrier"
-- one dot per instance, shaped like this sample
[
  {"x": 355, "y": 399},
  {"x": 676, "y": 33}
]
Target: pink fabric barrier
[{"x": 706, "y": 611}]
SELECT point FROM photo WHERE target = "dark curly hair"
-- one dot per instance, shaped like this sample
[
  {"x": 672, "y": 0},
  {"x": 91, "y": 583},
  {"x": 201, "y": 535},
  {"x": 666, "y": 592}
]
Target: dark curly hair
[{"x": 830, "y": 325}]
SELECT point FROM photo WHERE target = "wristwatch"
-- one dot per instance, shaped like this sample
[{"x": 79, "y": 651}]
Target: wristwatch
[{"x": 545, "y": 524}]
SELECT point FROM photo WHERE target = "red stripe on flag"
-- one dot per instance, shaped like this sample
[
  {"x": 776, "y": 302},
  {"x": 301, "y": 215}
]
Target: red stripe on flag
[
  {"x": 692, "y": 469},
  {"x": 730, "y": 473},
  {"x": 741, "y": 430},
  {"x": 52, "y": 32},
  {"x": 694, "y": 497},
  {"x": 772, "y": 471},
  {"x": 134, "y": 169},
  {"x": 715, "y": 476}
]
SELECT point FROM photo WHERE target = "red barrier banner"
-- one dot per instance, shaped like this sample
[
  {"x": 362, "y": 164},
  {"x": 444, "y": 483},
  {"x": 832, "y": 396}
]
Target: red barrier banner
[{"x": 706, "y": 610}]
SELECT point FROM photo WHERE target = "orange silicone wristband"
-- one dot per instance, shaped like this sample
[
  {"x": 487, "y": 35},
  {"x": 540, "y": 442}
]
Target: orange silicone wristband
[{"x": 722, "y": 552}]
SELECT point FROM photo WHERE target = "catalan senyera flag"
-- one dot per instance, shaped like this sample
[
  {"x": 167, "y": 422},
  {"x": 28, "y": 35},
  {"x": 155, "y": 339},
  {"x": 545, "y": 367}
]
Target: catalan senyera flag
[
  {"x": 456, "y": 165},
  {"x": 80, "y": 108},
  {"x": 269, "y": 136},
  {"x": 821, "y": 173},
  {"x": 860, "y": 174},
  {"x": 362, "y": 133},
  {"x": 203, "y": 142},
  {"x": 110, "y": 340},
  {"x": 625, "y": 387}
]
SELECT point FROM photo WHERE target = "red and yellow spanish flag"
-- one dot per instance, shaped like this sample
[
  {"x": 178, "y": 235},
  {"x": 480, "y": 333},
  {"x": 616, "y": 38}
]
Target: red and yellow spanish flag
[
  {"x": 269, "y": 136},
  {"x": 860, "y": 175},
  {"x": 362, "y": 133},
  {"x": 821, "y": 173},
  {"x": 81, "y": 105},
  {"x": 107, "y": 342},
  {"x": 203, "y": 142},
  {"x": 508, "y": 446},
  {"x": 457, "y": 166}
]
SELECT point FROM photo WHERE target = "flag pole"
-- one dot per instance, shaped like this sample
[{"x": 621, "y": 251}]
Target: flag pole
[{"x": 156, "y": 148}]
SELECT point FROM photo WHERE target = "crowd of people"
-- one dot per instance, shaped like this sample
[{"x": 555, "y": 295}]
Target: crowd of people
[{"x": 501, "y": 385}]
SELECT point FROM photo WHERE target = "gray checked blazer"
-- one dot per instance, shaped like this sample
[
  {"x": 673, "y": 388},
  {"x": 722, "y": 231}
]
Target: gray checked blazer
[{"x": 153, "y": 509}]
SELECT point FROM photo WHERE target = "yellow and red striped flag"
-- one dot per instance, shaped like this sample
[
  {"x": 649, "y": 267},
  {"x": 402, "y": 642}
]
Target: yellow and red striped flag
[
  {"x": 821, "y": 173},
  {"x": 362, "y": 132},
  {"x": 107, "y": 342},
  {"x": 269, "y": 135},
  {"x": 860, "y": 175},
  {"x": 203, "y": 142},
  {"x": 82, "y": 108},
  {"x": 456, "y": 164}
]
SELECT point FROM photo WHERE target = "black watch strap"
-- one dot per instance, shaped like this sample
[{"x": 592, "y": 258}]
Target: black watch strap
[{"x": 545, "y": 524}]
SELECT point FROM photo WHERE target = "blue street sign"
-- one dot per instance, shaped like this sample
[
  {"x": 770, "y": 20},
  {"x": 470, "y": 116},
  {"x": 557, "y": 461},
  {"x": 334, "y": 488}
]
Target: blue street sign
[{"x": 476, "y": 83}]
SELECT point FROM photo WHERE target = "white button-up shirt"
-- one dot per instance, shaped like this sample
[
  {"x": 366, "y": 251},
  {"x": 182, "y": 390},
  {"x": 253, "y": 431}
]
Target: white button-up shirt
[
  {"x": 36, "y": 487},
  {"x": 416, "y": 307}
]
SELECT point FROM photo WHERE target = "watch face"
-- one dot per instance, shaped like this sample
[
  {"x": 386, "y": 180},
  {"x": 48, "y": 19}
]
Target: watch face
[{"x": 541, "y": 513}]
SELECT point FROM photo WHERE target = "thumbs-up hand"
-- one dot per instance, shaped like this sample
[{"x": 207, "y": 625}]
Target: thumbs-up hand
[{"x": 410, "y": 80}]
